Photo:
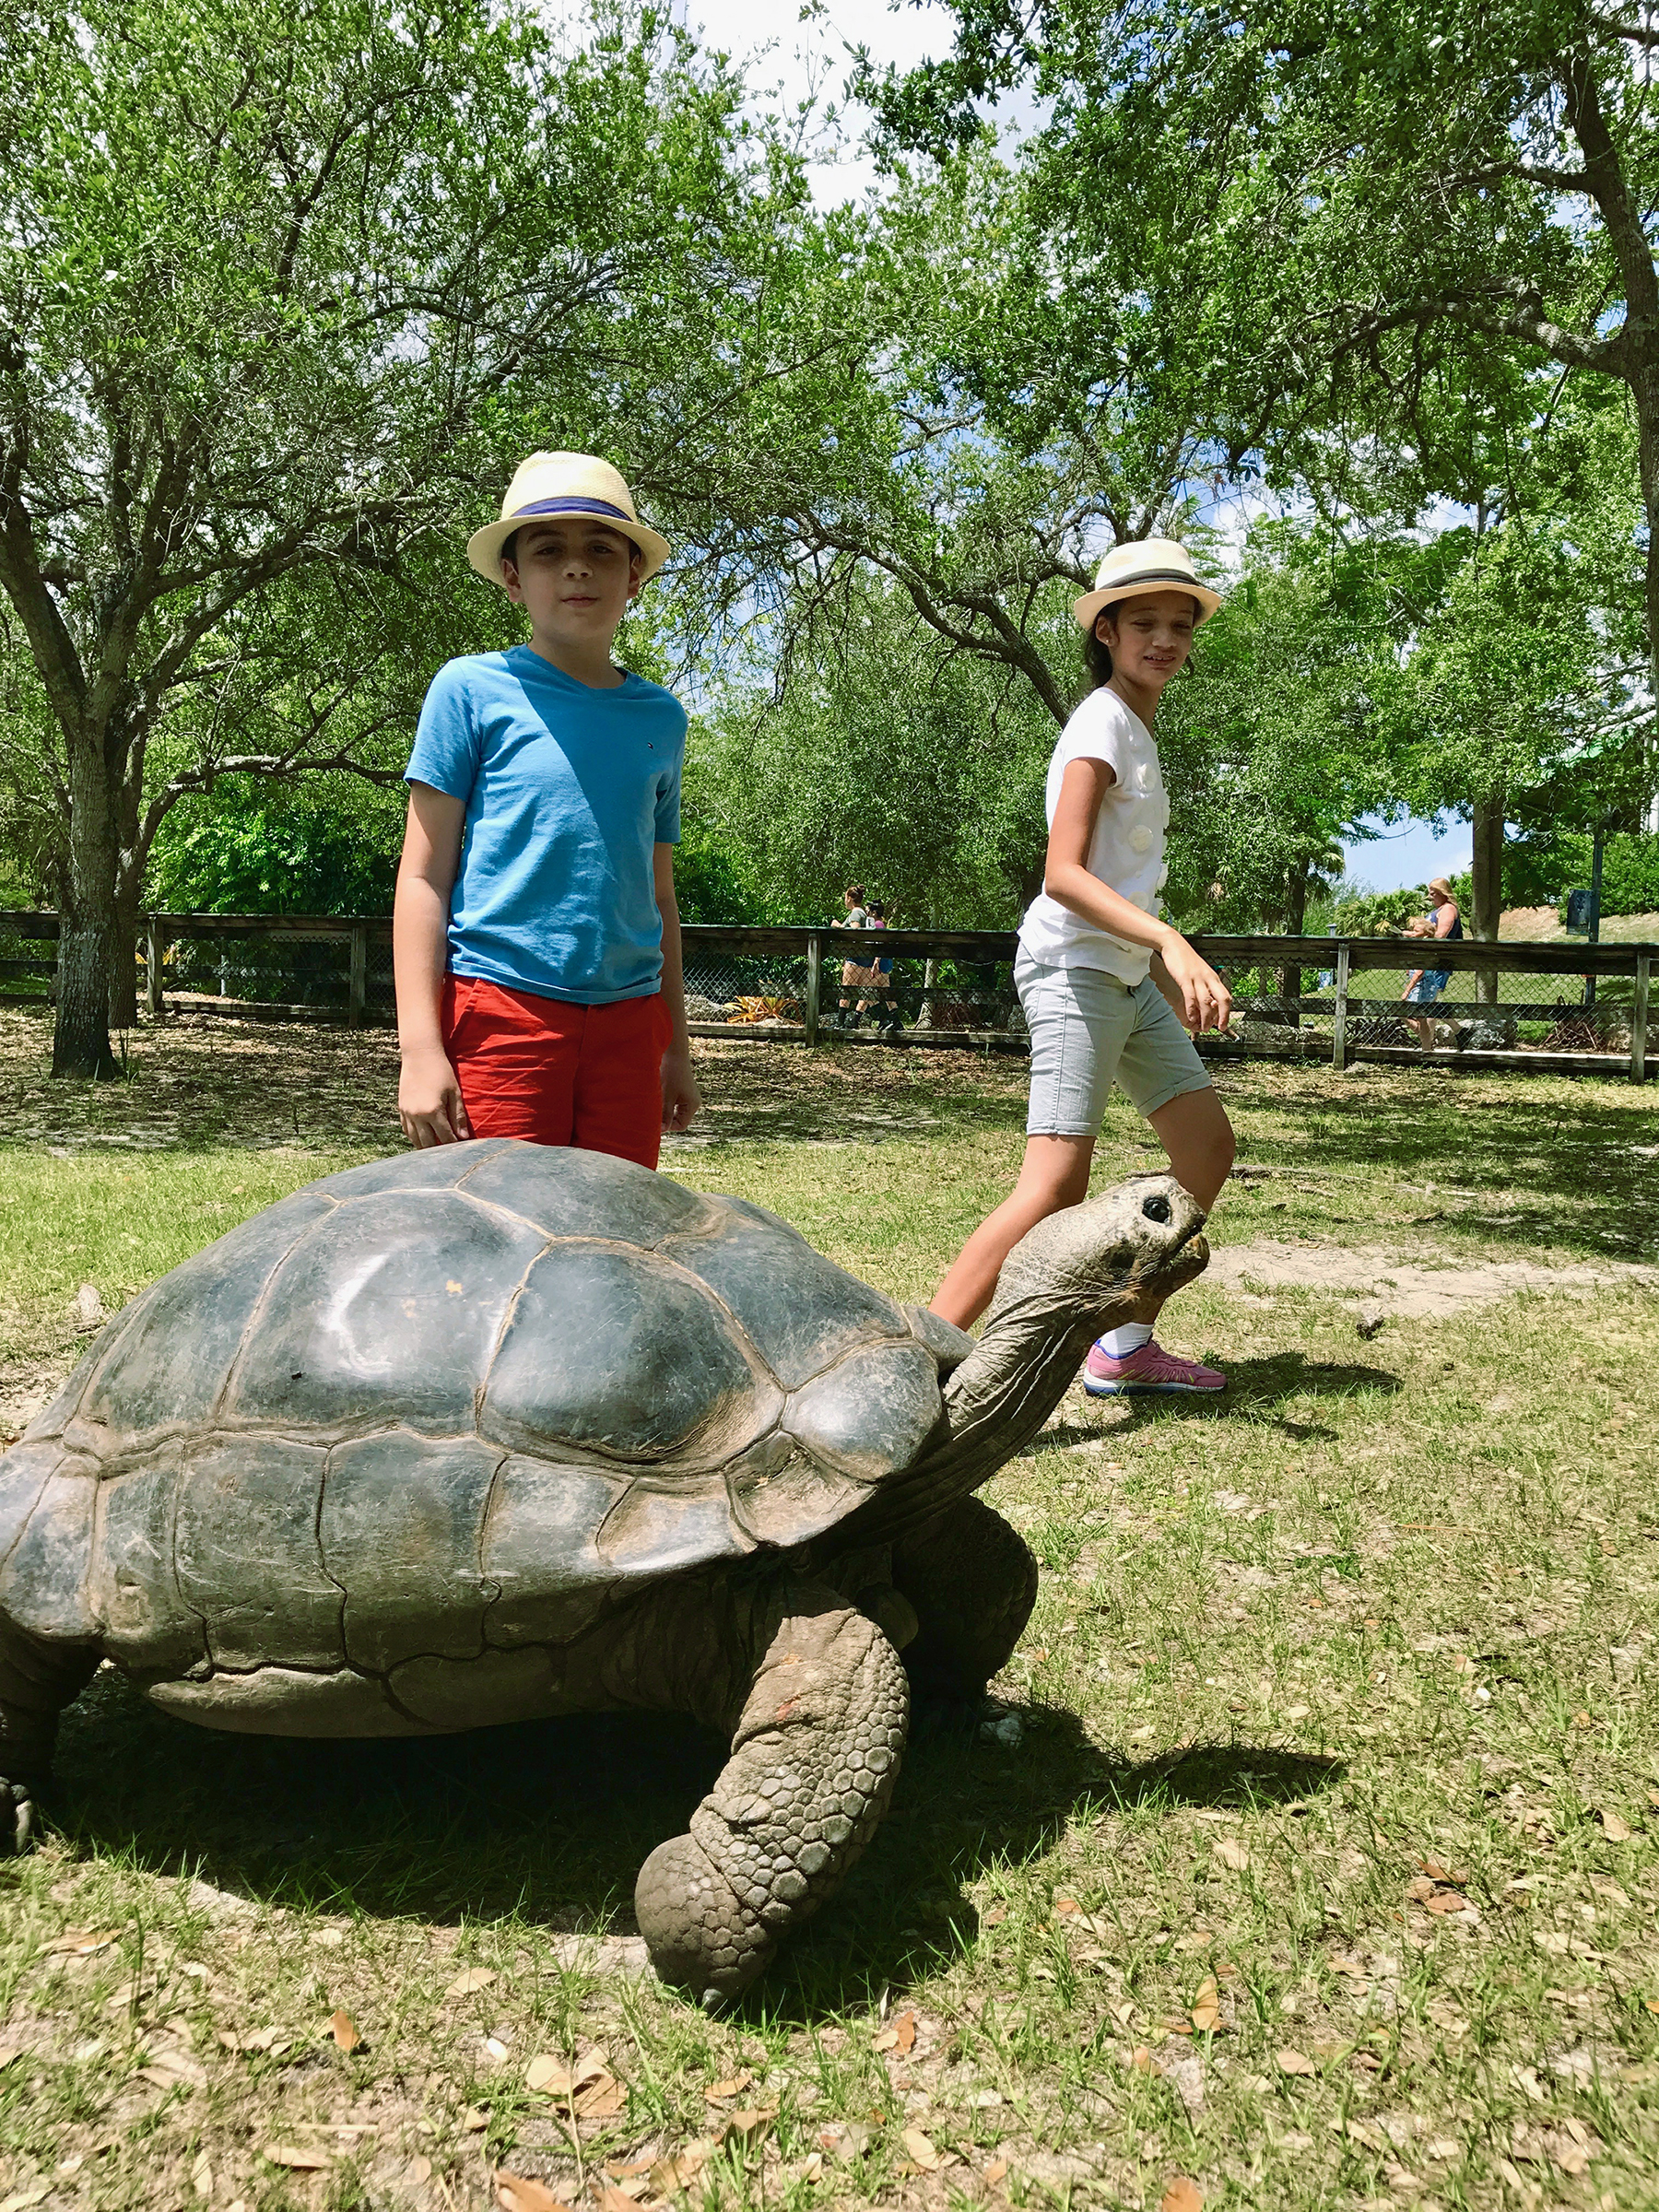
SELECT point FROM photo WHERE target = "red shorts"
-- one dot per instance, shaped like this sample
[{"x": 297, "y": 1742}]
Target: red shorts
[{"x": 555, "y": 1073}]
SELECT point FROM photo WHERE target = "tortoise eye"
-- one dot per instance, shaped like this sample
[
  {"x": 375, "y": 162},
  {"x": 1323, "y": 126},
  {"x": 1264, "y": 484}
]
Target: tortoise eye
[{"x": 1156, "y": 1207}]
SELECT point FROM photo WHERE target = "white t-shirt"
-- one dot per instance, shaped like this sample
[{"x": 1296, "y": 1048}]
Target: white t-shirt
[{"x": 1127, "y": 850}]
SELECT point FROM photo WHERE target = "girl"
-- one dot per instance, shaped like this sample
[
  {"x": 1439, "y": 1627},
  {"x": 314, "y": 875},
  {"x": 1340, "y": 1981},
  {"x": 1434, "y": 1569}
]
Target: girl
[
  {"x": 852, "y": 975},
  {"x": 1110, "y": 990}
]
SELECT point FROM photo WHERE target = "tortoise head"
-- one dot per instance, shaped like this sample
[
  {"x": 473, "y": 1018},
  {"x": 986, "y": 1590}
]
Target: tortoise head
[{"x": 1092, "y": 1264}]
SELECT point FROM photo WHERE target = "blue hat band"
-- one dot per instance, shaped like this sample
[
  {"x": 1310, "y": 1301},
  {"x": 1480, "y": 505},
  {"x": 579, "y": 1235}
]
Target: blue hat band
[{"x": 569, "y": 503}]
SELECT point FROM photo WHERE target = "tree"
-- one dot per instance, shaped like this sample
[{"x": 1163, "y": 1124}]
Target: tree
[
  {"x": 273, "y": 289},
  {"x": 1437, "y": 215}
]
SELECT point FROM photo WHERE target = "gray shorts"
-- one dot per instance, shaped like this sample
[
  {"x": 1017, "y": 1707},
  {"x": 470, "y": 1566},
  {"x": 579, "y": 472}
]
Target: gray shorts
[{"x": 1089, "y": 1031}]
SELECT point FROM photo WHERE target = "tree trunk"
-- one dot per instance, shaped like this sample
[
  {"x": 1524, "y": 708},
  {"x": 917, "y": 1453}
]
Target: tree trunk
[
  {"x": 123, "y": 956},
  {"x": 86, "y": 928},
  {"x": 1295, "y": 918},
  {"x": 1487, "y": 900}
]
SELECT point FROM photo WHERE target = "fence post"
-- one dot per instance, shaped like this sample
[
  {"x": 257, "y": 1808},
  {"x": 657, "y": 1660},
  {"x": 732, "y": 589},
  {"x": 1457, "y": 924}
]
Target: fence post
[
  {"x": 155, "y": 944},
  {"x": 357, "y": 990},
  {"x": 1638, "y": 1017},
  {"x": 1339, "y": 1026},
  {"x": 815, "y": 984}
]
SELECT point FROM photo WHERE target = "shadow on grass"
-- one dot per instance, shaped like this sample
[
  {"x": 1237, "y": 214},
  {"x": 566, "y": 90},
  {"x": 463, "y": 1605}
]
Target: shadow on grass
[
  {"x": 550, "y": 1821},
  {"x": 1255, "y": 1391}
]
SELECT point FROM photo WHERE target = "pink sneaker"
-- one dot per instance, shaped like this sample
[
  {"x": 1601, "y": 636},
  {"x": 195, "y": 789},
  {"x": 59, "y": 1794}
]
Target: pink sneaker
[{"x": 1150, "y": 1371}]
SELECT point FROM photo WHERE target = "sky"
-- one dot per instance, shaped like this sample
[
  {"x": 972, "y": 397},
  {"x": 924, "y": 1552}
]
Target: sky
[{"x": 801, "y": 58}]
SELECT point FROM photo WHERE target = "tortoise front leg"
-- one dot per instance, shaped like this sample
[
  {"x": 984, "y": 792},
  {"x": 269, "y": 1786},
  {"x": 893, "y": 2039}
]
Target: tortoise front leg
[{"x": 814, "y": 1759}]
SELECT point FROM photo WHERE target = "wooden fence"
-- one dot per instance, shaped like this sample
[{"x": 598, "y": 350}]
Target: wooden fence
[{"x": 945, "y": 988}]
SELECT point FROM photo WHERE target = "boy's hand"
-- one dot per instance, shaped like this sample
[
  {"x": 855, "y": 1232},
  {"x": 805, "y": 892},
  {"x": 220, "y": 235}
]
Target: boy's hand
[
  {"x": 681, "y": 1097},
  {"x": 430, "y": 1104}
]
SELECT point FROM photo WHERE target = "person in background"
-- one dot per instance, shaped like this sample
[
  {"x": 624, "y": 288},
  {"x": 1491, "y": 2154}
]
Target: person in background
[
  {"x": 854, "y": 975},
  {"x": 891, "y": 1021},
  {"x": 1424, "y": 985},
  {"x": 534, "y": 935},
  {"x": 1111, "y": 992}
]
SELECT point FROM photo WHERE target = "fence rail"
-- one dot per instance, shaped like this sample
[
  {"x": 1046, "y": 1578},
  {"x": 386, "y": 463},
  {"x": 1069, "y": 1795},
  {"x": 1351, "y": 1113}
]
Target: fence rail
[{"x": 943, "y": 987}]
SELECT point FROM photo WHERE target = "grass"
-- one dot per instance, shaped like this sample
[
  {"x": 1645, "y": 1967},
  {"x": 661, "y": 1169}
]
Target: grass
[{"x": 1373, "y": 1636}]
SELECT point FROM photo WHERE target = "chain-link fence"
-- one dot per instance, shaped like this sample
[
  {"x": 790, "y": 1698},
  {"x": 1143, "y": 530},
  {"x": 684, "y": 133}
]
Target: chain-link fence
[{"x": 1308, "y": 997}]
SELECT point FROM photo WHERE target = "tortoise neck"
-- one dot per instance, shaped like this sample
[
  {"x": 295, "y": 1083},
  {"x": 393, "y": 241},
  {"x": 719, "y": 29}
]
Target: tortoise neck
[{"x": 998, "y": 1400}]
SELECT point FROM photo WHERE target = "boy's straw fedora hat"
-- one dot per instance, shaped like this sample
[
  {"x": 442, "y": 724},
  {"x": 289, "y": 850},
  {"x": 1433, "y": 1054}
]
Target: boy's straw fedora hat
[
  {"x": 1149, "y": 564},
  {"x": 550, "y": 484}
]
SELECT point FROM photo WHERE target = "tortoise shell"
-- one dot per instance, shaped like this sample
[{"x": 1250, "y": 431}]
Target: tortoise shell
[{"x": 433, "y": 1412}]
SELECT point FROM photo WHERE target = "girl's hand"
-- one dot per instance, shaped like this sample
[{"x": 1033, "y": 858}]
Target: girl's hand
[
  {"x": 1205, "y": 1001},
  {"x": 681, "y": 1097},
  {"x": 430, "y": 1104}
]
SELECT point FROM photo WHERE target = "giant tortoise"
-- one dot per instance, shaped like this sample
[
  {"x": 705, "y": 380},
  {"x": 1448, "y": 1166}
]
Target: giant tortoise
[{"x": 492, "y": 1432}]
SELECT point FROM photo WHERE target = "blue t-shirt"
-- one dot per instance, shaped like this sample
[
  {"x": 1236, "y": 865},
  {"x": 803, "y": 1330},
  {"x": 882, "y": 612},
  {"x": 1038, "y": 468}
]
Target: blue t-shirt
[{"x": 566, "y": 790}]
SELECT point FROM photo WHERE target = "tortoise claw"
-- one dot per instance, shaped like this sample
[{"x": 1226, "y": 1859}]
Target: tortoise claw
[{"x": 17, "y": 1817}]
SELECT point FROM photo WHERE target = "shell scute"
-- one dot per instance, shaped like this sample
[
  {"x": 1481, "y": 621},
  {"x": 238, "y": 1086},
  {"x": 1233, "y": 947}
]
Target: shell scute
[
  {"x": 801, "y": 1311},
  {"x": 539, "y": 1557},
  {"x": 400, "y": 1530},
  {"x": 162, "y": 1361},
  {"x": 871, "y": 1414},
  {"x": 567, "y": 1193},
  {"x": 613, "y": 1352},
  {"x": 245, "y": 1552},
  {"x": 146, "y": 1625},
  {"x": 387, "y": 1311}
]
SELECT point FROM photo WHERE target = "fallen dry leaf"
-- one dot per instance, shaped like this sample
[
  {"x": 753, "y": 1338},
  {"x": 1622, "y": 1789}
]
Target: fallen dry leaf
[
  {"x": 1231, "y": 1854},
  {"x": 420, "y": 2170},
  {"x": 751, "y": 2126},
  {"x": 994, "y": 1915},
  {"x": 722, "y": 2092},
  {"x": 1182, "y": 2194},
  {"x": 519, "y": 2192},
  {"x": 669, "y": 2176},
  {"x": 904, "y": 2029},
  {"x": 601, "y": 2099},
  {"x": 885, "y": 2039},
  {"x": 996, "y": 2171},
  {"x": 609, "y": 2199},
  {"x": 201, "y": 2176},
  {"x": 11, "y": 2052},
  {"x": 1454, "y": 1875},
  {"x": 78, "y": 1942},
  {"x": 471, "y": 1979},
  {"x": 1614, "y": 1827},
  {"x": 549, "y": 2075},
  {"x": 344, "y": 2030},
  {"x": 1295, "y": 2062},
  {"x": 1064, "y": 1905},
  {"x": 297, "y": 2156},
  {"x": 1142, "y": 2060},
  {"x": 1206, "y": 2007},
  {"x": 921, "y": 2150},
  {"x": 474, "y": 2121},
  {"x": 1448, "y": 1900}
]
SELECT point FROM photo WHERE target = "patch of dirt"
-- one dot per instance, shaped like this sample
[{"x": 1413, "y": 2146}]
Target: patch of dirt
[{"x": 1431, "y": 1287}]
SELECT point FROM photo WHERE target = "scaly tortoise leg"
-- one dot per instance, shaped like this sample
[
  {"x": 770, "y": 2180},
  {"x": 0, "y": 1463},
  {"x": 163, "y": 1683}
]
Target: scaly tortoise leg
[
  {"x": 814, "y": 1758},
  {"x": 36, "y": 1682},
  {"x": 972, "y": 1582}
]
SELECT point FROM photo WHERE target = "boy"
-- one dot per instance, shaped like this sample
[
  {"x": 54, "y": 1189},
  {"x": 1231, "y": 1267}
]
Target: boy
[{"x": 534, "y": 935}]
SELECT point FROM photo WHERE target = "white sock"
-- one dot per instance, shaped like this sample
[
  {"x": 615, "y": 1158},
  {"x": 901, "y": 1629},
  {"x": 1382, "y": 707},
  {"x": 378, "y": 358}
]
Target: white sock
[{"x": 1119, "y": 1343}]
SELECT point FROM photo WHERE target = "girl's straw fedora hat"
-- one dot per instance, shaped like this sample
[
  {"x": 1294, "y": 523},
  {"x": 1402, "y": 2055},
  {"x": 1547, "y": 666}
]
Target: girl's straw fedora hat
[
  {"x": 550, "y": 484},
  {"x": 1151, "y": 564}
]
